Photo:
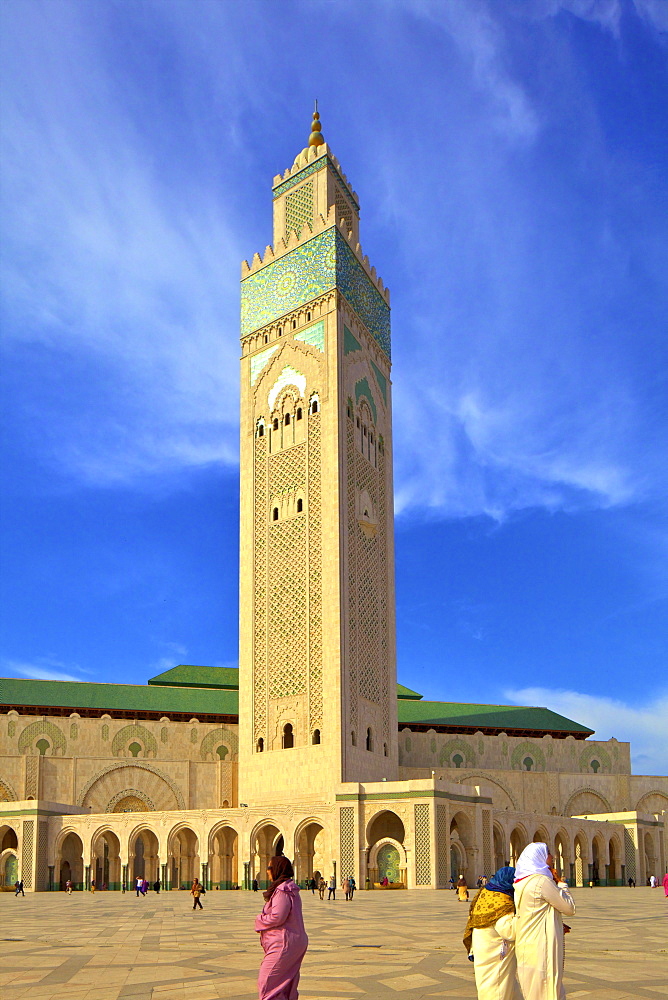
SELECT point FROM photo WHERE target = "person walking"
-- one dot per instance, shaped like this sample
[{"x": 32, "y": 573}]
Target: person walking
[
  {"x": 312, "y": 886},
  {"x": 196, "y": 892},
  {"x": 462, "y": 889},
  {"x": 18, "y": 887},
  {"x": 540, "y": 901},
  {"x": 92, "y": 885},
  {"x": 68, "y": 887},
  {"x": 632, "y": 882},
  {"x": 139, "y": 885},
  {"x": 156, "y": 886},
  {"x": 322, "y": 885},
  {"x": 353, "y": 886},
  {"x": 345, "y": 885},
  {"x": 282, "y": 934},
  {"x": 489, "y": 938},
  {"x": 653, "y": 881},
  {"x": 331, "y": 894}
]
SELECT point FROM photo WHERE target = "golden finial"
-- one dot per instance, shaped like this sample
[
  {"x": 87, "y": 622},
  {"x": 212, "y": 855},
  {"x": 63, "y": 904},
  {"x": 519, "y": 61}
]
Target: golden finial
[{"x": 315, "y": 138}]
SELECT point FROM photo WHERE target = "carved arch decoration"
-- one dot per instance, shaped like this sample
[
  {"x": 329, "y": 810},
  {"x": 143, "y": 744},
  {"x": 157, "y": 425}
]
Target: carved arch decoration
[
  {"x": 472, "y": 776},
  {"x": 144, "y": 802},
  {"x": 7, "y": 793},
  {"x": 657, "y": 801},
  {"x": 593, "y": 802},
  {"x": 457, "y": 745},
  {"x": 134, "y": 732},
  {"x": 176, "y": 791},
  {"x": 595, "y": 753},
  {"x": 42, "y": 727},
  {"x": 527, "y": 749},
  {"x": 217, "y": 736}
]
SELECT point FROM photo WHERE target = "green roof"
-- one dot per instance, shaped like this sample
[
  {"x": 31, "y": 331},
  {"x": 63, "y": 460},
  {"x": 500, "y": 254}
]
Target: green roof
[
  {"x": 118, "y": 697},
  {"x": 406, "y": 693},
  {"x": 187, "y": 675},
  {"x": 502, "y": 717}
]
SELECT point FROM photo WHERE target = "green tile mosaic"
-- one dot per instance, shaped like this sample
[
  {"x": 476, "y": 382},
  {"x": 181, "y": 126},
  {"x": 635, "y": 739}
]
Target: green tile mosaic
[
  {"x": 350, "y": 342},
  {"x": 381, "y": 380},
  {"x": 312, "y": 168},
  {"x": 362, "y": 388},
  {"x": 259, "y": 361},
  {"x": 315, "y": 267},
  {"x": 313, "y": 335}
]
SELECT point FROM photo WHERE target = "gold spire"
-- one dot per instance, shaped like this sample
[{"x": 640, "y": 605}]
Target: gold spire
[{"x": 315, "y": 138}]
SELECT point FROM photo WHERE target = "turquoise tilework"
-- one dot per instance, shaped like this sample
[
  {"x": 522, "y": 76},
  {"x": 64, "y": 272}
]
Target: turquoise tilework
[
  {"x": 362, "y": 388},
  {"x": 307, "y": 271},
  {"x": 363, "y": 296},
  {"x": 259, "y": 361},
  {"x": 350, "y": 342},
  {"x": 313, "y": 335},
  {"x": 381, "y": 380},
  {"x": 312, "y": 168}
]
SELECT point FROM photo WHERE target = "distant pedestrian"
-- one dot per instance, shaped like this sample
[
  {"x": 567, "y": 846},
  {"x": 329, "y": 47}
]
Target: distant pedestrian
[
  {"x": 18, "y": 886},
  {"x": 331, "y": 894},
  {"x": 322, "y": 885},
  {"x": 312, "y": 886},
  {"x": 282, "y": 934},
  {"x": 632, "y": 882},
  {"x": 255, "y": 885},
  {"x": 92, "y": 885},
  {"x": 196, "y": 892},
  {"x": 156, "y": 885},
  {"x": 69, "y": 887},
  {"x": 452, "y": 882},
  {"x": 345, "y": 885},
  {"x": 144, "y": 886},
  {"x": 653, "y": 881},
  {"x": 462, "y": 889},
  {"x": 353, "y": 886}
]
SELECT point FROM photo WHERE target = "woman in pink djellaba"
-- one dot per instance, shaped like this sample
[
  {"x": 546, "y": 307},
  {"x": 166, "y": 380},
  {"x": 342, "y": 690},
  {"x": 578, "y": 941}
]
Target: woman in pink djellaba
[{"x": 282, "y": 934}]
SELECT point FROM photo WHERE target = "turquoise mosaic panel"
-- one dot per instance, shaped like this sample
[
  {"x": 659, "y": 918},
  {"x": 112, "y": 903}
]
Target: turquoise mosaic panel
[
  {"x": 324, "y": 262},
  {"x": 313, "y": 335},
  {"x": 381, "y": 380},
  {"x": 362, "y": 388},
  {"x": 350, "y": 343},
  {"x": 363, "y": 296},
  {"x": 259, "y": 361},
  {"x": 311, "y": 169}
]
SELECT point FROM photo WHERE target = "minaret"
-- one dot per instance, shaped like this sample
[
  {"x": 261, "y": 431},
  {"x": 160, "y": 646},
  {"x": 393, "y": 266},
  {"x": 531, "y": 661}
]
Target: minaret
[{"x": 317, "y": 647}]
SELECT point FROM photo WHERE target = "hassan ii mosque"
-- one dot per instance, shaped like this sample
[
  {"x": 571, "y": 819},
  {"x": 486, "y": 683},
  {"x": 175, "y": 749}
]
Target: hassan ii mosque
[{"x": 311, "y": 748}]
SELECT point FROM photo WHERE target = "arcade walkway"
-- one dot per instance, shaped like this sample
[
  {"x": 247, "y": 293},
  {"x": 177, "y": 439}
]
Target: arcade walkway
[{"x": 383, "y": 945}]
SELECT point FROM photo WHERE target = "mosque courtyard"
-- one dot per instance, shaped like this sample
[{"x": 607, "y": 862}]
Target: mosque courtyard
[{"x": 407, "y": 945}]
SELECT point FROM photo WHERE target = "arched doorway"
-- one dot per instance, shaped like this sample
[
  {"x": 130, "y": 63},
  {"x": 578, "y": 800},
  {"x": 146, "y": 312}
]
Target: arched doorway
[
  {"x": 9, "y": 862},
  {"x": 461, "y": 843},
  {"x": 70, "y": 861},
  {"x": 518, "y": 841},
  {"x": 615, "y": 874},
  {"x": 143, "y": 857},
  {"x": 310, "y": 851},
  {"x": 266, "y": 842},
  {"x": 579, "y": 869},
  {"x": 223, "y": 859},
  {"x": 183, "y": 860},
  {"x": 106, "y": 861},
  {"x": 500, "y": 852},
  {"x": 385, "y": 848},
  {"x": 650, "y": 856},
  {"x": 598, "y": 861},
  {"x": 561, "y": 854}
]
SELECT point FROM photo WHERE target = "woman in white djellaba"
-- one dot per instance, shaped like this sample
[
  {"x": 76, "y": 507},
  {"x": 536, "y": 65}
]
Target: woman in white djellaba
[
  {"x": 489, "y": 938},
  {"x": 540, "y": 901}
]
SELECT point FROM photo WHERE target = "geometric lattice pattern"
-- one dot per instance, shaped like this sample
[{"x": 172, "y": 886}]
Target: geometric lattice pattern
[
  {"x": 422, "y": 845},
  {"x": 260, "y": 594},
  {"x": 298, "y": 208},
  {"x": 41, "y": 866},
  {"x": 213, "y": 739},
  {"x": 531, "y": 750},
  {"x": 42, "y": 728},
  {"x": 343, "y": 209},
  {"x": 347, "y": 840},
  {"x": 442, "y": 846},
  {"x": 352, "y": 576},
  {"x": 314, "y": 574},
  {"x": 487, "y": 860},
  {"x": 27, "y": 852},
  {"x": 287, "y": 645},
  {"x": 32, "y": 778}
]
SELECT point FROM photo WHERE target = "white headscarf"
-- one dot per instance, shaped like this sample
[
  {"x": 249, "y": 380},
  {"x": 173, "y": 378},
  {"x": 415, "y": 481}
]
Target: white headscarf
[{"x": 532, "y": 861}]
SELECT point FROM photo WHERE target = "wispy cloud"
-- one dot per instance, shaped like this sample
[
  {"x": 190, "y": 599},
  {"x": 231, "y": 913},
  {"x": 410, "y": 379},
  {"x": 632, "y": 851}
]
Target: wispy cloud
[
  {"x": 42, "y": 669},
  {"x": 644, "y": 728}
]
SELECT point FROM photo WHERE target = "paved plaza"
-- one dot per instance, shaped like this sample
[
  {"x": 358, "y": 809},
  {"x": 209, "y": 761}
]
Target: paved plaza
[{"x": 407, "y": 945}]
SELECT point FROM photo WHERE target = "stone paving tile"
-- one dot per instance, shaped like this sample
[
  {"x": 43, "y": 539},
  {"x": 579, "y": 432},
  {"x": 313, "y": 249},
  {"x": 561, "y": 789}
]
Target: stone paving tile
[{"x": 107, "y": 947}]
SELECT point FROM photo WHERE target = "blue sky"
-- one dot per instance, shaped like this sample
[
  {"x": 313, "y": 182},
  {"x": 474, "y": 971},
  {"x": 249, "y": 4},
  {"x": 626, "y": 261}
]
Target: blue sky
[{"x": 511, "y": 159}]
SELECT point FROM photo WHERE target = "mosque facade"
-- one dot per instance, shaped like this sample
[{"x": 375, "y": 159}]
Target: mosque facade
[{"x": 311, "y": 748}]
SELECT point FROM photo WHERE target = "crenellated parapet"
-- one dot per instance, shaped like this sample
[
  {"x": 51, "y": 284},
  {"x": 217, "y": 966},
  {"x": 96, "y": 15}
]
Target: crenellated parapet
[{"x": 315, "y": 158}]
